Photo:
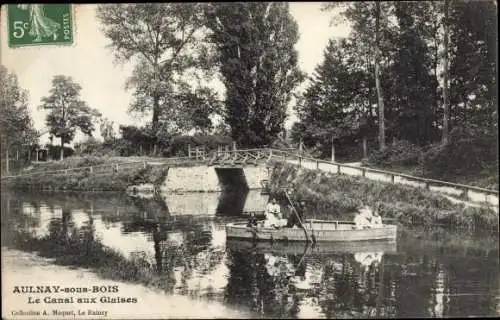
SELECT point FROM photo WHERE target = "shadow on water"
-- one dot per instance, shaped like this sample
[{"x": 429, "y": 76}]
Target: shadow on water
[
  {"x": 428, "y": 273},
  {"x": 232, "y": 203}
]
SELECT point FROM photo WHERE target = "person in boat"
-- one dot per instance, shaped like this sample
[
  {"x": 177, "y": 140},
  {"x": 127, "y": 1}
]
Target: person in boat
[
  {"x": 273, "y": 207},
  {"x": 282, "y": 222},
  {"x": 376, "y": 218},
  {"x": 293, "y": 220},
  {"x": 363, "y": 219},
  {"x": 252, "y": 221},
  {"x": 272, "y": 210}
]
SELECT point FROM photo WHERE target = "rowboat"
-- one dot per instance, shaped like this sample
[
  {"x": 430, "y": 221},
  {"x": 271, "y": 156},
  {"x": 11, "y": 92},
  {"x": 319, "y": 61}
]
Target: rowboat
[{"x": 315, "y": 230}]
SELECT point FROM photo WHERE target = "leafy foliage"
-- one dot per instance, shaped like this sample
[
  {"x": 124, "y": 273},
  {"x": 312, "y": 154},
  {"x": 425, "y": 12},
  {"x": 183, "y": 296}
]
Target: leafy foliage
[
  {"x": 399, "y": 152},
  {"x": 138, "y": 141},
  {"x": 473, "y": 64},
  {"x": 258, "y": 63},
  {"x": 337, "y": 103},
  {"x": 472, "y": 151},
  {"x": 16, "y": 124},
  {"x": 179, "y": 145},
  {"x": 411, "y": 104},
  {"x": 107, "y": 130},
  {"x": 164, "y": 42},
  {"x": 67, "y": 112}
]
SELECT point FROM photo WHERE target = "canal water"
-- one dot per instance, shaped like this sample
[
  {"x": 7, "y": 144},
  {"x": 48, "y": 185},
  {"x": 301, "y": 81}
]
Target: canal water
[{"x": 176, "y": 245}]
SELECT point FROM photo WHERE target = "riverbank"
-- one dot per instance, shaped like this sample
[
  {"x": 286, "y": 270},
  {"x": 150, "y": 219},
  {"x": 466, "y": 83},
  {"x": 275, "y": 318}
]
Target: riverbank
[
  {"x": 333, "y": 196},
  {"x": 22, "y": 268},
  {"x": 110, "y": 178}
]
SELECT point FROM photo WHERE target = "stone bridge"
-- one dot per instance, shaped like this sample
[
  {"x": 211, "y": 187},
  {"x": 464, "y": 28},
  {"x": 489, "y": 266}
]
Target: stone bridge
[{"x": 220, "y": 170}]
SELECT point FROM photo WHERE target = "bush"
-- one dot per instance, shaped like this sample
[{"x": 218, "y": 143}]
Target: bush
[
  {"x": 89, "y": 146},
  {"x": 468, "y": 152},
  {"x": 400, "y": 152},
  {"x": 175, "y": 147},
  {"x": 54, "y": 152},
  {"x": 178, "y": 146}
]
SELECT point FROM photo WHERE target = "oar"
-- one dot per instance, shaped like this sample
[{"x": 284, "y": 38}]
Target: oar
[{"x": 298, "y": 217}]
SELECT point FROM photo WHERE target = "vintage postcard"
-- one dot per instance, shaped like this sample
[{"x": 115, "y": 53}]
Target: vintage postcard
[{"x": 249, "y": 160}]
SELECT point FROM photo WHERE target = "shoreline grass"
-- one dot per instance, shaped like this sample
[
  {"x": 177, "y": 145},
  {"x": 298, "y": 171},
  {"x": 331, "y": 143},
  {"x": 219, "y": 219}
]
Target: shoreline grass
[{"x": 84, "y": 180}]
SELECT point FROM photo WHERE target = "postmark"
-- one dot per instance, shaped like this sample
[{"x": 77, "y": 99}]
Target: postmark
[{"x": 40, "y": 24}]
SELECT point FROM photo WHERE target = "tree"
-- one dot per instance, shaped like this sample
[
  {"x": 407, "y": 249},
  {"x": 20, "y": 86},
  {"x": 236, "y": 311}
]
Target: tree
[
  {"x": 473, "y": 40},
  {"x": 412, "y": 84},
  {"x": 107, "y": 129},
  {"x": 199, "y": 106},
  {"x": 162, "y": 39},
  {"x": 66, "y": 111},
  {"x": 258, "y": 62},
  {"x": 337, "y": 105},
  {"x": 446, "y": 103},
  {"x": 380, "y": 95},
  {"x": 370, "y": 28},
  {"x": 16, "y": 124}
]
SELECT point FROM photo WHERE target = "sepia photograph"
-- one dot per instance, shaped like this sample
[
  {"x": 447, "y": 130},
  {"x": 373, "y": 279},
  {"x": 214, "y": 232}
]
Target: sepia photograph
[{"x": 257, "y": 160}]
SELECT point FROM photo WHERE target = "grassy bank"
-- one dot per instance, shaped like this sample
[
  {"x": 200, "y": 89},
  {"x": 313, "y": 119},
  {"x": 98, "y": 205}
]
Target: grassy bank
[
  {"x": 469, "y": 159},
  {"x": 85, "y": 180},
  {"x": 335, "y": 196}
]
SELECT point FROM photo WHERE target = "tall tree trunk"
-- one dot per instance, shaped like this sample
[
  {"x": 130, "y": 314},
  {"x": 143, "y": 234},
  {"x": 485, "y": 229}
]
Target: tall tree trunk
[
  {"x": 446, "y": 103},
  {"x": 62, "y": 150},
  {"x": 156, "y": 116},
  {"x": 436, "y": 65},
  {"x": 7, "y": 159},
  {"x": 333, "y": 150},
  {"x": 365, "y": 148},
  {"x": 381, "y": 118}
]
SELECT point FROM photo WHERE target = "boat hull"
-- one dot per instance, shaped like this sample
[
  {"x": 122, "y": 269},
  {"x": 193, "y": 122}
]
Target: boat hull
[{"x": 320, "y": 231}]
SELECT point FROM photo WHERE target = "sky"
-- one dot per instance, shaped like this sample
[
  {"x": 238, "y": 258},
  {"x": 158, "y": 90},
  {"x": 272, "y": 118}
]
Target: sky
[{"x": 91, "y": 64}]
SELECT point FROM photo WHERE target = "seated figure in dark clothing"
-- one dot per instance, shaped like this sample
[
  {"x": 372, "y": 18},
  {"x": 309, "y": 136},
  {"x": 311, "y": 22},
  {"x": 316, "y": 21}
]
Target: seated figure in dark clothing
[
  {"x": 293, "y": 220},
  {"x": 252, "y": 221}
]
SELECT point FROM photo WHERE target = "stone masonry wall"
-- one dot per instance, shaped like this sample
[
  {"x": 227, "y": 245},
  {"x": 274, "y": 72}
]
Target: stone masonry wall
[
  {"x": 255, "y": 175},
  {"x": 205, "y": 179},
  {"x": 191, "y": 179}
]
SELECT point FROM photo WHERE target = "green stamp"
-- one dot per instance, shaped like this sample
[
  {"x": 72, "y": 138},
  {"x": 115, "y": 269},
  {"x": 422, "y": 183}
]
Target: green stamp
[{"x": 38, "y": 24}]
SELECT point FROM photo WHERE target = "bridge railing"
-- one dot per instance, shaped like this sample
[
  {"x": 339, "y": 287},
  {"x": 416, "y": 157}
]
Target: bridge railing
[{"x": 467, "y": 192}]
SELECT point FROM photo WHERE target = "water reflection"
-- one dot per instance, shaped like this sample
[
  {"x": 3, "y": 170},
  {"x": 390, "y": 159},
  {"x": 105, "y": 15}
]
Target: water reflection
[{"x": 424, "y": 275}]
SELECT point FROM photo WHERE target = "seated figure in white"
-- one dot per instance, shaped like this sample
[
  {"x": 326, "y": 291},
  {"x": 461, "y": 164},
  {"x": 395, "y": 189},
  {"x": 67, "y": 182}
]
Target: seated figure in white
[
  {"x": 272, "y": 211},
  {"x": 364, "y": 218}
]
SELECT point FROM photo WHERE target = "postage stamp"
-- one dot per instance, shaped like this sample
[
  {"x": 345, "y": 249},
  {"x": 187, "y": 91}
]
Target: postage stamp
[{"x": 39, "y": 24}]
